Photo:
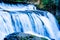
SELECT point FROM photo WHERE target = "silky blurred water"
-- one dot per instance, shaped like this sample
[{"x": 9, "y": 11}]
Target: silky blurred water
[{"x": 27, "y": 19}]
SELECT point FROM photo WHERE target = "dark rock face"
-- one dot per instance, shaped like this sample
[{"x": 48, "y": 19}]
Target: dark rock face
[{"x": 23, "y": 36}]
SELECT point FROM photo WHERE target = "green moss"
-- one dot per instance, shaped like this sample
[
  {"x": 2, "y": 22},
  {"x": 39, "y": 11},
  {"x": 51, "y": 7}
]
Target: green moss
[
  {"x": 43, "y": 38},
  {"x": 18, "y": 36},
  {"x": 19, "y": 0},
  {"x": 31, "y": 36}
]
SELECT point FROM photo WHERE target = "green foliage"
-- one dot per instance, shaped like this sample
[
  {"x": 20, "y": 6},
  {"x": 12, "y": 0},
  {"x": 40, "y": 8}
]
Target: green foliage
[
  {"x": 47, "y": 3},
  {"x": 44, "y": 2},
  {"x": 19, "y": 0}
]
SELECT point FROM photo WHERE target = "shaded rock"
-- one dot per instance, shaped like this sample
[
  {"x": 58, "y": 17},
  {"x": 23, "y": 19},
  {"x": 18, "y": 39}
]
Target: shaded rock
[{"x": 23, "y": 36}]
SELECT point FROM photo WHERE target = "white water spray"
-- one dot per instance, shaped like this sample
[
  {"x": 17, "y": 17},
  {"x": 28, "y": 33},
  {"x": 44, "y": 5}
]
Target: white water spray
[{"x": 26, "y": 19}]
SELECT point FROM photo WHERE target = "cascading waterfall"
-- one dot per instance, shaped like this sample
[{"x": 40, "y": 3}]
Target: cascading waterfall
[{"x": 27, "y": 19}]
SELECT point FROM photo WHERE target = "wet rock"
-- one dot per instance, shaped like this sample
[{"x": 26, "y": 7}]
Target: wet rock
[{"x": 23, "y": 36}]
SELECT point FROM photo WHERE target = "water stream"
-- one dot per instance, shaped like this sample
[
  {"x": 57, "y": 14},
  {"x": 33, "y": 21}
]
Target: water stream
[{"x": 27, "y": 18}]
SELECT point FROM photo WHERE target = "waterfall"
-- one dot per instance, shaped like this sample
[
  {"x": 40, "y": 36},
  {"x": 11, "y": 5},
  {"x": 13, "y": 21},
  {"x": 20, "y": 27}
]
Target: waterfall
[{"x": 27, "y": 18}]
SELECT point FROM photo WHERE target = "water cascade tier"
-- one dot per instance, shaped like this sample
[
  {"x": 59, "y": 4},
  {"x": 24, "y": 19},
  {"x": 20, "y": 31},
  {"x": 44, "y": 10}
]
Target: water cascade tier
[{"x": 27, "y": 18}]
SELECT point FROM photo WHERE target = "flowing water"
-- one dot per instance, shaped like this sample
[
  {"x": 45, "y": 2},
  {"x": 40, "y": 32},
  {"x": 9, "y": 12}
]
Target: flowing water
[{"x": 27, "y": 19}]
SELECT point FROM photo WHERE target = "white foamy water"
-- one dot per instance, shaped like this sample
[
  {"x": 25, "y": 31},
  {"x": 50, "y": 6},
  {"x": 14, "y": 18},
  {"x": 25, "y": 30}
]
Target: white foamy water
[{"x": 27, "y": 19}]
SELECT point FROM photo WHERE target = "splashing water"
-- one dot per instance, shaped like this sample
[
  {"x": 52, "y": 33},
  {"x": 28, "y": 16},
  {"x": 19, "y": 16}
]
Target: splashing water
[{"x": 26, "y": 18}]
